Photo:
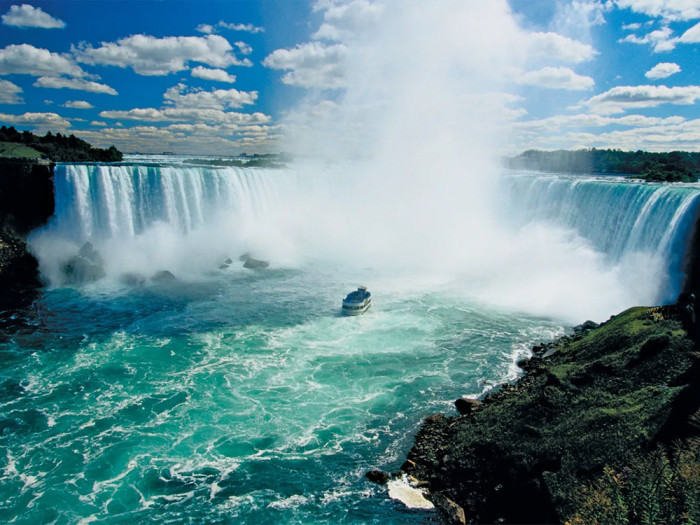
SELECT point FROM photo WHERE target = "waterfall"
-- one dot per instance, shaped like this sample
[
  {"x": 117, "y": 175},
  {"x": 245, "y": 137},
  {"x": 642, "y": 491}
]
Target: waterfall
[
  {"x": 618, "y": 217},
  {"x": 558, "y": 245},
  {"x": 102, "y": 201}
]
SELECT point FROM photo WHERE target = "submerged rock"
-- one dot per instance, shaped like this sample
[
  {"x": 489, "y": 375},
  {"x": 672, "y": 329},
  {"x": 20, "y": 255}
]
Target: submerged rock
[
  {"x": 251, "y": 263},
  {"x": 163, "y": 276},
  {"x": 224, "y": 265},
  {"x": 87, "y": 266},
  {"x": 133, "y": 279}
]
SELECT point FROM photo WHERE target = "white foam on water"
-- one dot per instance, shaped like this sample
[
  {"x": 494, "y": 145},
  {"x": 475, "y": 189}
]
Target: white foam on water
[{"x": 401, "y": 490}]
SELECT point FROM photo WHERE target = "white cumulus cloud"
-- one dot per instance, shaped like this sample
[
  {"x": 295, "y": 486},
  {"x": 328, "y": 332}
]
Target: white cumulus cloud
[
  {"x": 622, "y": 98},
  {"x": 38, "y": 120},
  {"x": 346, "y": 19},
  {"x": 9, "y": 93},
  {"x": 553, "y": 46},
  {"x": 663, "y": 70},
  {"x": 188, "y": 114},
  {"x": 670, "y": 10},
  {"x": 149, "y": 55},
  {"x": 78, "y": 104},
  {"x": 74, "y": 83},
  {"x": 181, "y": 97},
  {"x": 219, "y": 75},
  {"x": 310, "y": 65},
  {"x": 243, "y": 48},
  {"x": 248, "y": 28},
  {"x": 25, "y": 59},
  {"x": 26, "y": 15},
  {"x": 691, "y": 36},
  {"x": 556, "y": 78},
  {"x": 659, "y": 39},
  {"x": 207, "y": 29}
]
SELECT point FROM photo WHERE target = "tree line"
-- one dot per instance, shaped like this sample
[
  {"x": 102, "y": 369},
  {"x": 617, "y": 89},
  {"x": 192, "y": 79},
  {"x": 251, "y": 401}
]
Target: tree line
[
  {"x": 674, "y": 166},
  {"x": 61, "y": 148}
]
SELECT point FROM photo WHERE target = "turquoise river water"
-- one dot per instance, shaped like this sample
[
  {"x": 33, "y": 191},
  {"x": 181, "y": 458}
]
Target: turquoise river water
[{"x": 238, "y": 396}]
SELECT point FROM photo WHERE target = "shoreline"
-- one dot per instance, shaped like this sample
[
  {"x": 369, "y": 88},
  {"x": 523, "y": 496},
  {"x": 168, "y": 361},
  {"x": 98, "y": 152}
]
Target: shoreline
[{"x": 521, "y": 453}]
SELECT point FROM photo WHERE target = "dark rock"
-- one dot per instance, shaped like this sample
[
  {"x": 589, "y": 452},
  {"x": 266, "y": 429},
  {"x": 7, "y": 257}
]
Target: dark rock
[
  {"x": 466, "y": 406},
  {"x": 244, "y": 257},
  {"x": 26, "y": 203},
  {"x": 133, "y": 279},
  {"x": 523, "y": 363},
  {"x": 586, "y": 326},
  {"x": 87, "y": 266},
  {"x": 26, "y": 194},
  {"x": 449, "y": 509},
  {"x": 80, "y": 270},
  {"x": 19, "y": 271},
  {"x": 524, "y": 454},
  {"x": 378, "y": 476},
  {"x": 550, "y": 352},
  {"x": 163, "y": 276},
  {"x": 255, "y": 264},
  {"x": 408, "y": 465},
  {"x": 224, "y": 265}
]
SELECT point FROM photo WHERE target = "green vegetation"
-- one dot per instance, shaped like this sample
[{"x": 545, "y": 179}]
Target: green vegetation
[
  {"x": 659, "y": 487},
  {"x": 57, "y": 148},
  {"x": 676, "y": 166},
  {"x": 600, "y": 399},
  {"x": 17, "y": 150}
]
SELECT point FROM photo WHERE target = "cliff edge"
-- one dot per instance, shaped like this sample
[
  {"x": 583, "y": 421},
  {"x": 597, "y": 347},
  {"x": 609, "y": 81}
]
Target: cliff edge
[
  {"x": 26, "y": 202},
  {"x": 591, "y": 405}
]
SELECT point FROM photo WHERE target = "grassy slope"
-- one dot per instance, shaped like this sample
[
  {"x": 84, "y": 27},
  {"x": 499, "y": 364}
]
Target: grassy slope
[
  {"x": 600, "y": 399},
  {"x": 14, "y": 149}
]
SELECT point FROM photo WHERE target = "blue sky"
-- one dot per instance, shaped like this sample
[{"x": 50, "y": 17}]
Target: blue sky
[{"x": 245, "y": 75}]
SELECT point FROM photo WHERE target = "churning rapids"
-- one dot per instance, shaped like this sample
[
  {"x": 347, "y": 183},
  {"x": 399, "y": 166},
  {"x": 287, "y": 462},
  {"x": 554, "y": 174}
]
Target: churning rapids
[{"x": 232, "y": 395}]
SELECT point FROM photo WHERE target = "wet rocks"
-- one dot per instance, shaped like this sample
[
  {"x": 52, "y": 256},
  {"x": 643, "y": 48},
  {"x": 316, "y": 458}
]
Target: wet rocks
[
  {"x": 224, "y": 265},
  {"x": 132, "y": 279},
  {"x": 255, "y": 264},
  {"x": 84, "y": 267},
  {"x": 19, "y": 270},
  {"x": 524, "y": 453},
  {"x": 466, "y": 406},
  {"x": 378, "y": 476},
  {"x": 163, "y": 276},
  {"x": 585, "y": 327},
  {"x": 449, "y": 509}
]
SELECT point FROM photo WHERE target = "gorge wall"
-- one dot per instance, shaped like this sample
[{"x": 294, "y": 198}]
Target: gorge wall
[{"x": 26, "y": 203}]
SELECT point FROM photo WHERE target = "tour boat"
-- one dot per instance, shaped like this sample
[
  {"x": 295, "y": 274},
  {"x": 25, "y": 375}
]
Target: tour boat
[{"x": 357, "y": 302}]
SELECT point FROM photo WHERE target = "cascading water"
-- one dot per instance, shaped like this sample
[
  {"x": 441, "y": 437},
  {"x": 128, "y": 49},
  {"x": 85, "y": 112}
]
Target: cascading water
[
  {"x": 94, "y": 201},
  {"x": 625, "y": 221},
  {"x": 145, "y": 218},
  {"x": 608, "y": 242}
]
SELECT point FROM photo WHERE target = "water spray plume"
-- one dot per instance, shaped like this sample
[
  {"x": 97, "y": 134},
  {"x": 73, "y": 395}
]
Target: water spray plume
[{"x": 398, "y": 173}]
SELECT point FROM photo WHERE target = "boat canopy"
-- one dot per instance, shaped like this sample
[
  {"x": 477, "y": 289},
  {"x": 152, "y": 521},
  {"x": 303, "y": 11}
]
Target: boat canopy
[{"x": 358, "y": 296}]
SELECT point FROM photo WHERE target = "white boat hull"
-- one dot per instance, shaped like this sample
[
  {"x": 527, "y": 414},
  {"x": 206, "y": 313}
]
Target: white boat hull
[{"x": 356, "y": 309}]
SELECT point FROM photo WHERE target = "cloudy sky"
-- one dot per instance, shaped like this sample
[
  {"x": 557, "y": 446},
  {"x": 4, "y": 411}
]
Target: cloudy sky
[{"x": 245, "y": 75}]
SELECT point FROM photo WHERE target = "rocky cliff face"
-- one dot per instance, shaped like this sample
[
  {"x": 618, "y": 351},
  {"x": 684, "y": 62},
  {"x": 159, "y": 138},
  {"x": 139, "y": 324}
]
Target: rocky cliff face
[
  {"x": 692, "y": 262},
  {"x": 604, "y": 397},
  {"x": 26, "y": 202}
]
